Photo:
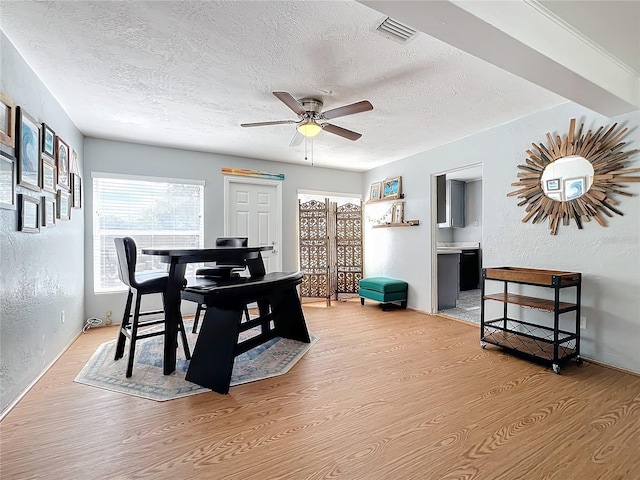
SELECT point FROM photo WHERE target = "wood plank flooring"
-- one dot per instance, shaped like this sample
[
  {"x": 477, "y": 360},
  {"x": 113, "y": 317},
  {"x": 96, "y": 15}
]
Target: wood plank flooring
[{"x": 382, "y": 395}]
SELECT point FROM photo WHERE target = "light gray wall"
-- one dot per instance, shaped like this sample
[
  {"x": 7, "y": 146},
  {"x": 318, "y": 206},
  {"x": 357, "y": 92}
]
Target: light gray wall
[
  {"x": 41, "y": 274},
  {"x": 132, "y": 159},
  {"x": 609, "y": 258}
]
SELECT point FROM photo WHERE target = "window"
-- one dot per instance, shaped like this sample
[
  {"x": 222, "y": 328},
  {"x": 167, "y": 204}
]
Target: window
[{"x": 155, "y": 212}]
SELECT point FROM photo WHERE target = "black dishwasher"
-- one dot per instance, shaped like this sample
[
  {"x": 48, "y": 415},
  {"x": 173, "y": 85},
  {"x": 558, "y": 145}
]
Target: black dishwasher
[{"x": 469, "y": 269}]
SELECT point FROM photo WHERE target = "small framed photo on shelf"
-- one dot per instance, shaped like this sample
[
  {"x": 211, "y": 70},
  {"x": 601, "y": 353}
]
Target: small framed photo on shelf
[
  {"x": 573, "y": 188},
  {"x": 28, "y": 150},
  {"x": 49, "y": 175},
  {"x": 48, "y": 212},
  {"x": 374, "y": 191},
  {"x": 48, "y": 141},
  {"x": 29, "y": 214},
  {"x": 7, "y": 121},
  {"x": 62, "y": 162},
  {"x": 64, "y": 205},
  {"x": 553, "y": 184},
  {"x": 76, "y": 191},
  {"x": 392, "y": 187},
  {"x": 397, "y": 212},
  {"x": 7, "y": 181}
]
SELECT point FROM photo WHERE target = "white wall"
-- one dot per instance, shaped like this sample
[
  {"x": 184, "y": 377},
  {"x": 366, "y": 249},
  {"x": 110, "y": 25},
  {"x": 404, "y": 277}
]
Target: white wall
[
  {"x": 609, "y": 258},
  {"x": 41, "y": 274},
  {"x": 128, "y": 158}
]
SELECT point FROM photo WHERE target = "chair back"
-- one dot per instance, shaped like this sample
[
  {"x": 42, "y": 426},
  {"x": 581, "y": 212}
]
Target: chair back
[
  {"x": 231, "y": 242},
  {"x": 127, "y": 257}
]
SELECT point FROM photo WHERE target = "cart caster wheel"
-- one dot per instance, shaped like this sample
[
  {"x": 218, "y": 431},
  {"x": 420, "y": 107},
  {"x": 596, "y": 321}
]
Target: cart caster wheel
[
  {"x": 483, "y": 345},
  {"x": 578, "y": 360},
  {"x": 556, "y": 368}
]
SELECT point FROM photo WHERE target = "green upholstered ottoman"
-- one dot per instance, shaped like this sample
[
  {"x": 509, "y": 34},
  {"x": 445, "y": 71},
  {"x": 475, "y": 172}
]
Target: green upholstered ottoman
[{"x": 384, "y": 290}]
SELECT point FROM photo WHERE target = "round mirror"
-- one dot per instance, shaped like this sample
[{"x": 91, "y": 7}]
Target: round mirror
[{"x": 567, "y": 178}]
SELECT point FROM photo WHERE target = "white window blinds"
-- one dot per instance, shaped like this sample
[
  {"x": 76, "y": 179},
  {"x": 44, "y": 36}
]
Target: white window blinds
[{"x": 154, "y": 212}]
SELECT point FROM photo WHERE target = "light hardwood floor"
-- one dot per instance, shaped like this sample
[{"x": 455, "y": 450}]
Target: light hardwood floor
[{"x": 382, "y": 395}]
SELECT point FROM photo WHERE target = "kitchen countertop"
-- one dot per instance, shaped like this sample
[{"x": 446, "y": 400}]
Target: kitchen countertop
[
  {"x": 448, "y": 251},
  {"x": 443, "y": 247}
]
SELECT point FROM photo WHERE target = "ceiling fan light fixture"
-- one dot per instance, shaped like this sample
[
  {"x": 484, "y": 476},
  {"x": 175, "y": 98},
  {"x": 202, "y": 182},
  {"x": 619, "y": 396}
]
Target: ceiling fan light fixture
[{"x": 309, "y": 128}]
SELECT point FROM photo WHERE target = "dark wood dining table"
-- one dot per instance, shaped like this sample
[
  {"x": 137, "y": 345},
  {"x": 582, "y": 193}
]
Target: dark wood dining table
[{"x": 178, "y": 258}]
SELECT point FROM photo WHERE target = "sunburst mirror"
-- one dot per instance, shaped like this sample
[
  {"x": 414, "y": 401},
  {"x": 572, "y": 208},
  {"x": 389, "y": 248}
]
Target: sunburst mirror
[{"x": 575, "y": 177}]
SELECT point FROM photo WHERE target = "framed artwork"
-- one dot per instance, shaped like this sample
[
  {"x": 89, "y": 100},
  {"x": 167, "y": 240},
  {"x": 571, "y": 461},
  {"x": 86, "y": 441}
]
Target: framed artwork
[
  {"x": 64, "y": 205},
  {"x": 49, "y": 175},
  {"x": 553, "y": 184},
  {"x": 397, "y": 212},
  {"x": 62, "y": 162},
  {"x": 573, "y": 188},
  {"x": 7, "y": 181},
  {"x": 392, "y": 187},
  {"x": 48, "y": 141},
  {"x": 374, "y": 191},
  {"x": 28, "y": 150},
  {"x": 29, "y": 214},
  {"x": 76, "y": 191},
  {"x": 557, "y": 196},
  {"x": 48, "y": 212},
  {"x": 7, "y": 121}
]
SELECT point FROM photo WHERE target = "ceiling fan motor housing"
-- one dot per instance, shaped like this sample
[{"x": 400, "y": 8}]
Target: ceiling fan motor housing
[{"x": 313, "y": 106}]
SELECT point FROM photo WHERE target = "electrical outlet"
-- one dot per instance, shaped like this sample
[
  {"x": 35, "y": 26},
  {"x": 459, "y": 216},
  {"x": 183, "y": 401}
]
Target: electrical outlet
[
  {"x": 583, "y": 323},
  {"x": 107, "y": 317},
  {"x": 62, "y": 316}
]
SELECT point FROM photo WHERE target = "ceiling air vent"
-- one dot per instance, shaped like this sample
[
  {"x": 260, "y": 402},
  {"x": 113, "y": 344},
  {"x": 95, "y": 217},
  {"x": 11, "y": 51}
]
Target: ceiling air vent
[{"x": 396, "y": 31}]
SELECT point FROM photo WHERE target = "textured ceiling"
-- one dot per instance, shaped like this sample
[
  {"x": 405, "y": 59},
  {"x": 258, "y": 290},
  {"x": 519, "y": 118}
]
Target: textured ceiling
[{"x": 186, "y": 74}]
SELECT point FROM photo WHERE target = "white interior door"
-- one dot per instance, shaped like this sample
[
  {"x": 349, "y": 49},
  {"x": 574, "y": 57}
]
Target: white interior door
[{"x": 253, "y": 209}]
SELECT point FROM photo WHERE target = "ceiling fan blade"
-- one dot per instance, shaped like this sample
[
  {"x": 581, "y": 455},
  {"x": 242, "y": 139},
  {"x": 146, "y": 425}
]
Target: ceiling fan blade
[
  {"x": 357, "y": 107},
  {"x": 261, "y": 124},
  {"x": 289, "y": 101},
  {"x": 343, "y": 132},
  {"x": 297, "y": 139}
]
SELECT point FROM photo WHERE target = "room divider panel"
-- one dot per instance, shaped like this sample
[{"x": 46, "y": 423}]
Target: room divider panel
[{"x": 330, "y": 248}]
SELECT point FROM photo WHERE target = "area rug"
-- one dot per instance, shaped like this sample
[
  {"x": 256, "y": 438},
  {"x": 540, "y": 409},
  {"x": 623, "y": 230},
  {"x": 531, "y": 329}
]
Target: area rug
[{"x": 275, "y": 357}]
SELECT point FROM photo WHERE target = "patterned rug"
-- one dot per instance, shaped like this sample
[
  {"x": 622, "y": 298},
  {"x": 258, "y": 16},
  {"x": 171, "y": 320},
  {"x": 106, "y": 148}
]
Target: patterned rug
[{"x": 275, "y": 357}]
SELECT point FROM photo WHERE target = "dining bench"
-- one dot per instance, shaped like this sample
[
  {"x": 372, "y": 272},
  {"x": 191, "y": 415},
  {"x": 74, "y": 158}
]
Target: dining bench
[{"x": 217, "y": 344}]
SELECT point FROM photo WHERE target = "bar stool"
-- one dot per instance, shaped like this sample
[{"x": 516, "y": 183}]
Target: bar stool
[
  {"x": 222, "y": 269},
  {"x": 142, "y": 283}
]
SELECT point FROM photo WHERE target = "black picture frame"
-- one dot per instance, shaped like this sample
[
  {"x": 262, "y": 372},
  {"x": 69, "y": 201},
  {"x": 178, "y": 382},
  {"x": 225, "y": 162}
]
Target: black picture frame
[
  {"x": 76, "y": 191},
  {"x": 49, "y": 177},
  {"x": 7, "y": 181},
  {"x": 48, "y": 141},
  {"x": 28, "y": 150},
  {"x": 63, "y": 162},
  {"x": 29, "y": 214}
]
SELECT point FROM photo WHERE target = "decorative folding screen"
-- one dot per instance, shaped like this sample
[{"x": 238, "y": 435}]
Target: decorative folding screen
[{"x": 330, "y": 248}]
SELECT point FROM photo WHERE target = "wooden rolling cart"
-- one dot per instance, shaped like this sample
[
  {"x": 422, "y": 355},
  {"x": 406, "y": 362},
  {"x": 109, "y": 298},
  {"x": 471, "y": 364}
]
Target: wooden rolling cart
[{"x": 549, "y": 345}]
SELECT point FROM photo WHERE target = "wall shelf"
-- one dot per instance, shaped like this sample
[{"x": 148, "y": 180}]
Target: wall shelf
[
  {"x": 408, "y": 223},
  {"x": 382, "y": 200}
]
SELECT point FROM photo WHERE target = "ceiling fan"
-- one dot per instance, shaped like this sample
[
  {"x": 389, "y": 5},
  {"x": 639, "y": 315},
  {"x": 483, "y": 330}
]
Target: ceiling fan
[{"x": 312, "y": 120}]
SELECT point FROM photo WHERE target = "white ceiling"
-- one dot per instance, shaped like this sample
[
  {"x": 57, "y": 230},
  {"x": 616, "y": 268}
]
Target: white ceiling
[{"x": 186, "y": 74}]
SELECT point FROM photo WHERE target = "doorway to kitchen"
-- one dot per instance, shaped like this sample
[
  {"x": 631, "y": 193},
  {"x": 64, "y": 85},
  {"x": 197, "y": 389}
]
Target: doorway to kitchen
[{"x": 457, "y": 244}]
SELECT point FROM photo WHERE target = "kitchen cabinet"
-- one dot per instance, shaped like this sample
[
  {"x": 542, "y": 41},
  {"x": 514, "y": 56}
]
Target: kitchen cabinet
[
  {"x": 548, "y": 344},
  {"x": 450, "y": 203},
  {"x": 448, "y": 281}
]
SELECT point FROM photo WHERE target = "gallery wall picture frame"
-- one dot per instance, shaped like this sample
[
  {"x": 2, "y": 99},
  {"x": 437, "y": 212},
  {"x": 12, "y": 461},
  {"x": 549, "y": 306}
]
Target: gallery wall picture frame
[
  {"x": 28, "y": 150},
  {"x": 374, "y": 191},
  {"x": 574, "y": 188},
  {"x": 64, "y": 205},
  {"x": 7, "y": 121},
  {"x": 28, "y": 214},
  {"x": 48, "y": 212},
  {"x": 397, "y": 212},
  {"x": 63, "y": 155},
  {"x": 76, "y": 191},
  {"x": 49, "y": 175},
  {"x": 7, "y": 181},
  {"x": 392, "y": 187},
  {"x": 553, "y": 184},
  {"x": 48, "y": 141}
]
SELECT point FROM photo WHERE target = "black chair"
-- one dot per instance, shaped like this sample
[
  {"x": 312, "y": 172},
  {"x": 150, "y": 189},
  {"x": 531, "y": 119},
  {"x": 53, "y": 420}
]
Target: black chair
[
  {"x": 142, "y": 283},
  {"x": 222, "y": 269}
]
